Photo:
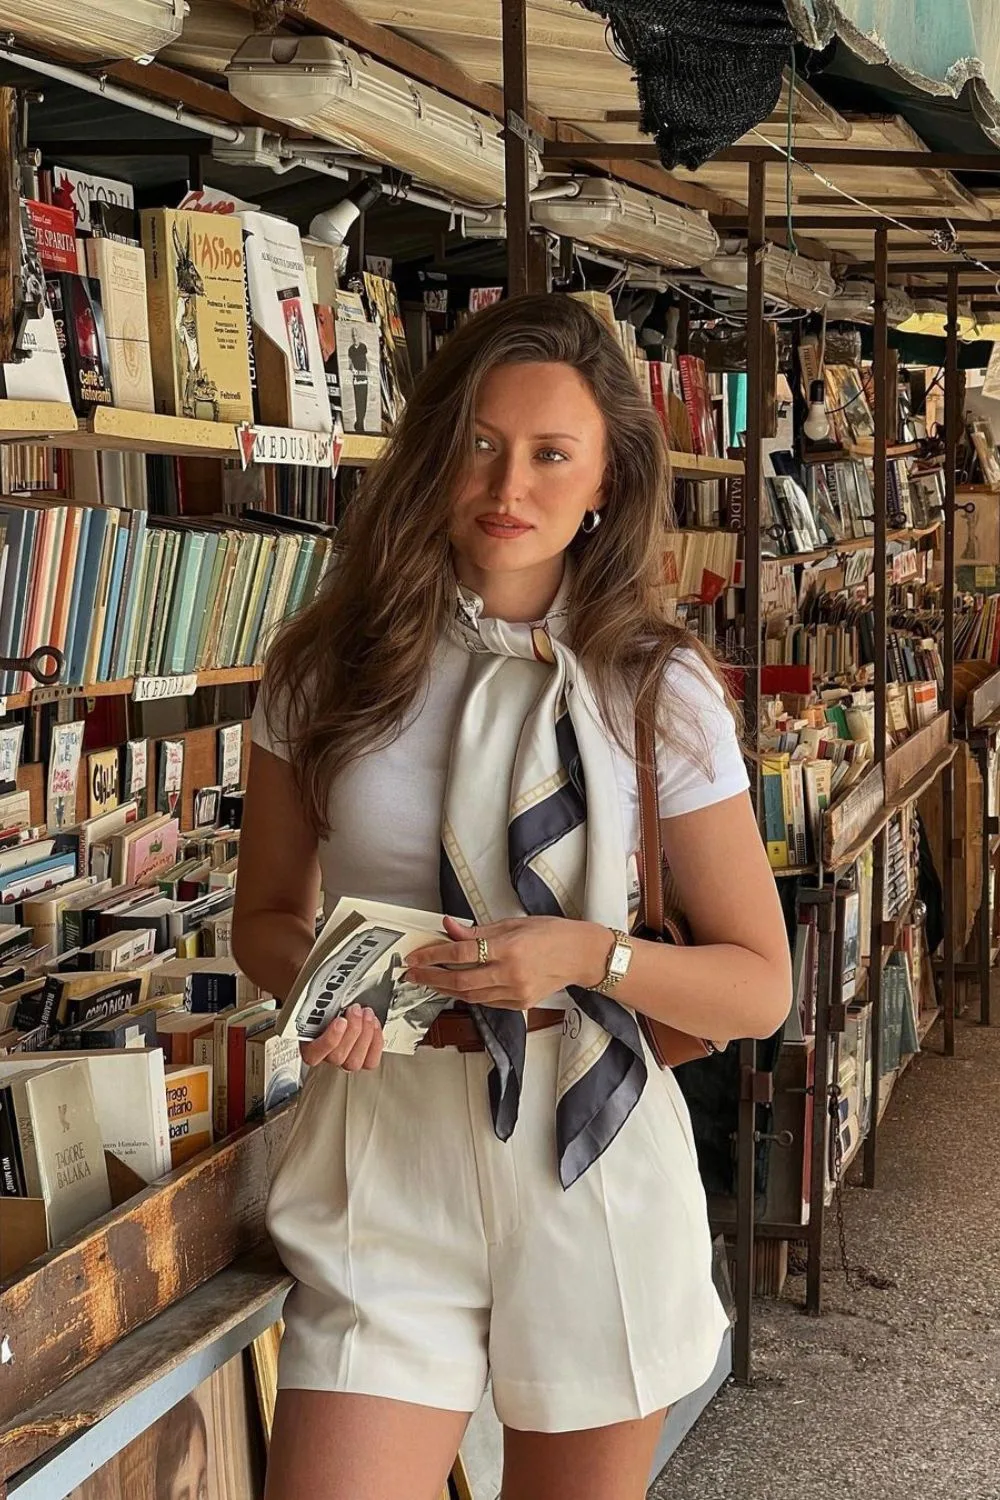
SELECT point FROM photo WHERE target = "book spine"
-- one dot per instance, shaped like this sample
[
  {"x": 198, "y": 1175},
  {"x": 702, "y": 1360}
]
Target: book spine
[
  {"x": 26, "y": 1139},
  {"x": 12, "y": 1183}
]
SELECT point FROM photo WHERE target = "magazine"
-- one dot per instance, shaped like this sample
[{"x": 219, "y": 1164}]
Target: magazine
[{"x": 358, "y": 959}]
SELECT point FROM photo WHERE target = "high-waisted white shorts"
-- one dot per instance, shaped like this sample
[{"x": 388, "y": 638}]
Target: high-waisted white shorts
[{"x": 430, "y": 1257}]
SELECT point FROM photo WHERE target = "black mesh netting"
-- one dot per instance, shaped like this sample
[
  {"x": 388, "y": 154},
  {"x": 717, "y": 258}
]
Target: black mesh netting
[{"x": 707, "y": 70}]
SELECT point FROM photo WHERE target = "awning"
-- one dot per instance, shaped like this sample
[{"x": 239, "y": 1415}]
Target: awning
[{"x": 938, "y": 46}]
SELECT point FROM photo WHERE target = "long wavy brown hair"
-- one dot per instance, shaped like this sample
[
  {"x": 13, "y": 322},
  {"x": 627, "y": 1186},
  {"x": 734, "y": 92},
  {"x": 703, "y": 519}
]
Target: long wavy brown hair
[{"x": 343, "y": 674}]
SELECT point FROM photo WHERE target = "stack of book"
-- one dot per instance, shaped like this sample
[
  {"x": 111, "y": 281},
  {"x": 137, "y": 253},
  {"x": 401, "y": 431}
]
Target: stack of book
[{"x": 807, "y": 762}]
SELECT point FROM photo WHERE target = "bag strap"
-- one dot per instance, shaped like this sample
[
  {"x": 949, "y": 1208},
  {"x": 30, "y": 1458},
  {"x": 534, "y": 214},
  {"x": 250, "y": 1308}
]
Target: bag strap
[{"x": 650, "y": 843}]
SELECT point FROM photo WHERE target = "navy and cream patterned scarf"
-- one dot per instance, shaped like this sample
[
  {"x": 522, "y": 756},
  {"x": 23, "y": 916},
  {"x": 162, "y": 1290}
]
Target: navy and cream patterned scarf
[{"x": 520, "y": 837}]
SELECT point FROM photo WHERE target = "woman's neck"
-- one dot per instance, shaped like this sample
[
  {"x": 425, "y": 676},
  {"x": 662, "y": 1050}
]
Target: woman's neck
[{"x": 521, "y": 596}]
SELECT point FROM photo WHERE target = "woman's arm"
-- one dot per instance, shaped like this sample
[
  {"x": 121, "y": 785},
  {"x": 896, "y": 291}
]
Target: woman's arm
[
  {"x": 736, "y": 978},
  {"x": 277, "y": 892},
  {"x": 734, "y": 982}
]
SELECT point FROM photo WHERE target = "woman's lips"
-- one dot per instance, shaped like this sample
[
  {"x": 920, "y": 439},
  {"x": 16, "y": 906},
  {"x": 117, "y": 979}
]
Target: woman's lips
[{"x": 502, "y": 526}]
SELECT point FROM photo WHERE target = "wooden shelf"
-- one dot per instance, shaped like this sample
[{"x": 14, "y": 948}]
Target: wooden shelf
[
  {"x": 791, "y": 871},
  {"x": 109, "y": 429},
  {"x": 149, "y": 432},
  {"x": 856, "y": 451},
  {"x": 360, "y": 449},
  {"x": 123, "y": 686},
  {"x": 698, "y": 466},
  {"x": 972, "y": 490},
  {"x": 855, "y": 544},
  {"x": 33, "y": 421}
]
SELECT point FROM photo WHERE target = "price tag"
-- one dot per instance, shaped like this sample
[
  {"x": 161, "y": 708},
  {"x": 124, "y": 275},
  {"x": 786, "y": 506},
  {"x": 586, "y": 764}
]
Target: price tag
[{"x": 150, "y": 689}]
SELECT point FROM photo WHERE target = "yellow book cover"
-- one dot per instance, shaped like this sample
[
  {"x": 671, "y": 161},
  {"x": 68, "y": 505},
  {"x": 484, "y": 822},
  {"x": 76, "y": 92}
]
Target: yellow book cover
[
  {"x": 189, "y": 1110},
  {"x": 775, "y": 791},
  {"x": 121, "y": 271},
  {"x": 199, "y": 334}
]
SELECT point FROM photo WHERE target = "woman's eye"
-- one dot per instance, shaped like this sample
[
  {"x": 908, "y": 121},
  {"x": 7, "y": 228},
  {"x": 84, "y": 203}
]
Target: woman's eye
[
  {"x": 481, "y": 445},
  {"x": 553, "y": 455}
]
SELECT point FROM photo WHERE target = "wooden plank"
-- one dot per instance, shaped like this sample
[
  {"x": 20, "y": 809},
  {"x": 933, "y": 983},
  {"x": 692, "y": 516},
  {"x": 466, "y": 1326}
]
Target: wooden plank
[
  {"x": 10, "y": 222},
  {"x": 34, "y": 420},
  {"x": 701, "y": 466},
  {"x": 918, "y": 750},
  {"x": 852, "y": 820},
  {"x": 75, "y": 1303},
  {"x": 150, "y": 432},
  {"x": 142, "y": 1358}
]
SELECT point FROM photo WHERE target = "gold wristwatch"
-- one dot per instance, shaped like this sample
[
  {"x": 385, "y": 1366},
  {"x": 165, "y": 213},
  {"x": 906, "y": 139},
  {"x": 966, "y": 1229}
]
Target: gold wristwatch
[{"x": 619, "y": 960}]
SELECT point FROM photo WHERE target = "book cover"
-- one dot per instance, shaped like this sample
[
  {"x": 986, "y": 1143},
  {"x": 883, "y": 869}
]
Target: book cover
[
  {"x": 102, "y": 781},
  {"x": 65, "y": 747},
  {"x": 55, "y": 1108},
  {"x": 114, "y": 1033},
  {"x": 55, "y": 236},
  {"x": 112, "y": 613},
  {"x": 177, "y": 1031},
  {"x": 120, "y": 271},
  {"x": 359, "y": 366},
  {"x": 40, "y": 373},
  {"x": 72, "y": 999},
  {"x": 189, "y": 1110},
  {"x": 149, "y": 849},
  {"x": 197, "y": 315},
  {"x": 382, "y": 304},
  {"x": 291, "y": 380},
  {"x": 273, "y": 1071},
  {"x": 358, "y": 959},
  {"x": 694, "y": 383},
  {"x": 244, "y": 1025},
  {"x": 80, "y": 191},
  {"x": 79, "y": 318},
  {"x": 86, "y": 587}
]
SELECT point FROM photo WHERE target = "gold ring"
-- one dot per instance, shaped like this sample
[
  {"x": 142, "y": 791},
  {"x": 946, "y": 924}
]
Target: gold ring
[{"x": 484, "y": 951}]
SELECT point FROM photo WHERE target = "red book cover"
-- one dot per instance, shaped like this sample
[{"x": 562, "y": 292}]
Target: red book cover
[
  {"x": 694, "y": 384},
  {"x": 775, "y": 680},
  {"x": 55, "y": 235},
  {"x": 658, "y": 395}
]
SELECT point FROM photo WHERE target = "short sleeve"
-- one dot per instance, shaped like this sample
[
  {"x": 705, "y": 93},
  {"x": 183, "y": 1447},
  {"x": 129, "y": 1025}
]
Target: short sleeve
[
  {"x": 266, "y": 730},
  {"x": 700, "y": 762}
]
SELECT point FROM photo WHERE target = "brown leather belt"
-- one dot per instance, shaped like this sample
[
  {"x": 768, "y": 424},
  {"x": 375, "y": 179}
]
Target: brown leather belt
[{"x": 456, "y": 1028}]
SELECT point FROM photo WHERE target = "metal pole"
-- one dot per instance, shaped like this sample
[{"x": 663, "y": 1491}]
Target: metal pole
[
  {"x": 746, "y": 1144},
  {"x": 981, "y": 743},
  {"x": 828, "y": 914},
  {"x": 516, "y": 141},
  {"x": 885, "y": 402},
  {"x": 949, "y": 870}
]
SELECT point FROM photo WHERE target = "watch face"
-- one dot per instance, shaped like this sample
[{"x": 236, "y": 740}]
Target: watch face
[{"x": 620, "y": 960}]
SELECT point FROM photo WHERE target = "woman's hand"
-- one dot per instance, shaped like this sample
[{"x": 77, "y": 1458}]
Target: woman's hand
[
  {"x": 352, "y": 1042},
  {"x": 530, "y": 959}
]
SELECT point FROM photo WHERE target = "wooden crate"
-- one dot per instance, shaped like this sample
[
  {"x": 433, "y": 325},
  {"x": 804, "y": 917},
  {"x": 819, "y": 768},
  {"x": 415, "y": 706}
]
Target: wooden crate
[{"x": 64, "y": 1310}]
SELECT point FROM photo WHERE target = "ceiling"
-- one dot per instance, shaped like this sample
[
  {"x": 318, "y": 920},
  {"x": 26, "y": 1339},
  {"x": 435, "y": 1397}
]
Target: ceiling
[{"x": 581, "y": 91}]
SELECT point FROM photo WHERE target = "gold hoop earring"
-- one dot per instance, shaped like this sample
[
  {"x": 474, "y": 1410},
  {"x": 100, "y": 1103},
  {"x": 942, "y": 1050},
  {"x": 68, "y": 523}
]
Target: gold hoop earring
[{"x": 590, "y": 522}]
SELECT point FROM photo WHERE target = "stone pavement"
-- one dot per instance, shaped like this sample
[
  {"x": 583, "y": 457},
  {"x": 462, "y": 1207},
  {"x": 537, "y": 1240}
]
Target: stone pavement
[{"x": 891, "y": 1394}]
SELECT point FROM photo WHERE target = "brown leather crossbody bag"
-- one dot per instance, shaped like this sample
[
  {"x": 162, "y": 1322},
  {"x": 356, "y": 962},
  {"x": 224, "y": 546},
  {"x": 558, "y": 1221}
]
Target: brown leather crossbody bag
[{"x": 661, "y": 919}]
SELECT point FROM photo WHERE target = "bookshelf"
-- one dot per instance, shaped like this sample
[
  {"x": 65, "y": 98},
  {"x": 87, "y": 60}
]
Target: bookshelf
[
  {"x": 856, "y": 544},
  {"x": 110, "y": 429},
  {"x": 124, "y": 687},
  {"x": 698, "y": 466}
]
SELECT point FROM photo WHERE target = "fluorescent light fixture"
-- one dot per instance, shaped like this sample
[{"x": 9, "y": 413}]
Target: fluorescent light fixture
[
  {"x": 854, "y": 302},
  {"x": 318, "y": 85},
  {"x": 787, "y": 278},
  {"x": 103, "y": 29},
  {"x": 614, "y": 217}
]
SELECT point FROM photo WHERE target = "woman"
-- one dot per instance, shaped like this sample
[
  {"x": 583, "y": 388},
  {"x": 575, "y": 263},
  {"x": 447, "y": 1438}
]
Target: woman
[{"x": 450, "y": 727}]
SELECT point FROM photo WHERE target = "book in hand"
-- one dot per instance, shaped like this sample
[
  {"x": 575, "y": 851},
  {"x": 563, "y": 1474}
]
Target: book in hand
[{"x": 358, "y": 959}]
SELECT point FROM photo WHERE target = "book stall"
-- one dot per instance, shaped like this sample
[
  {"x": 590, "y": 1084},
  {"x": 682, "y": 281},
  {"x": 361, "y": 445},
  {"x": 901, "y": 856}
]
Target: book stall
[{"x": 232, "y": 241}]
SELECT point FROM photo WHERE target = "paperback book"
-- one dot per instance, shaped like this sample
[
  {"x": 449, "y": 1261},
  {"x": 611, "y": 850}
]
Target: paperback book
[{"x": 359, "y": 959}]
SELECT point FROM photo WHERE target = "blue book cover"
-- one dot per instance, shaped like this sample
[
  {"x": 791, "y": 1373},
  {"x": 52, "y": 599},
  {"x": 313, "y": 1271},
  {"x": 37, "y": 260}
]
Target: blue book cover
[
  {"x": 258, "y": 613},
  {"x": 188, "y": 657},
  {"x": 130, "y": 590},
  {"x": 114, "y": 597},
  {"x": 87, "y": 579},
  {"x": 41, "y": 876},
  {"x": 22, "y": 599},
  {"x": 74, "y": 587},
  {"x": 185, "y": 590},
  {"x": 14, "y": 518}
]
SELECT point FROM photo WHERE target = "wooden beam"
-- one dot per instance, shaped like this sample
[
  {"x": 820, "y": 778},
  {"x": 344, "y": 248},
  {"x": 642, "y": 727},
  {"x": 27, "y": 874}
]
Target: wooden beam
[
  {"x": 10, "y": 222},
  {"x": 833, "y": 222},
  {"x": 516, "y": 163},
  {"x": 844, "y": 156},
  {"x": 338, "y": 19},
  {"x": 576, "y": 146}
]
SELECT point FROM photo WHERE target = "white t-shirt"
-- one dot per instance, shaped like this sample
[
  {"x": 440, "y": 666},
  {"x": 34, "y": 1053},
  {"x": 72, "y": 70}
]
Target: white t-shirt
[{"x": 385, "y": 809}]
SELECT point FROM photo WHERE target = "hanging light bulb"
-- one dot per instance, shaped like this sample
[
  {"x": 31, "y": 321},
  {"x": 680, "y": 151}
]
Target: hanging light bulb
[{"x": 817, "y": 424}]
